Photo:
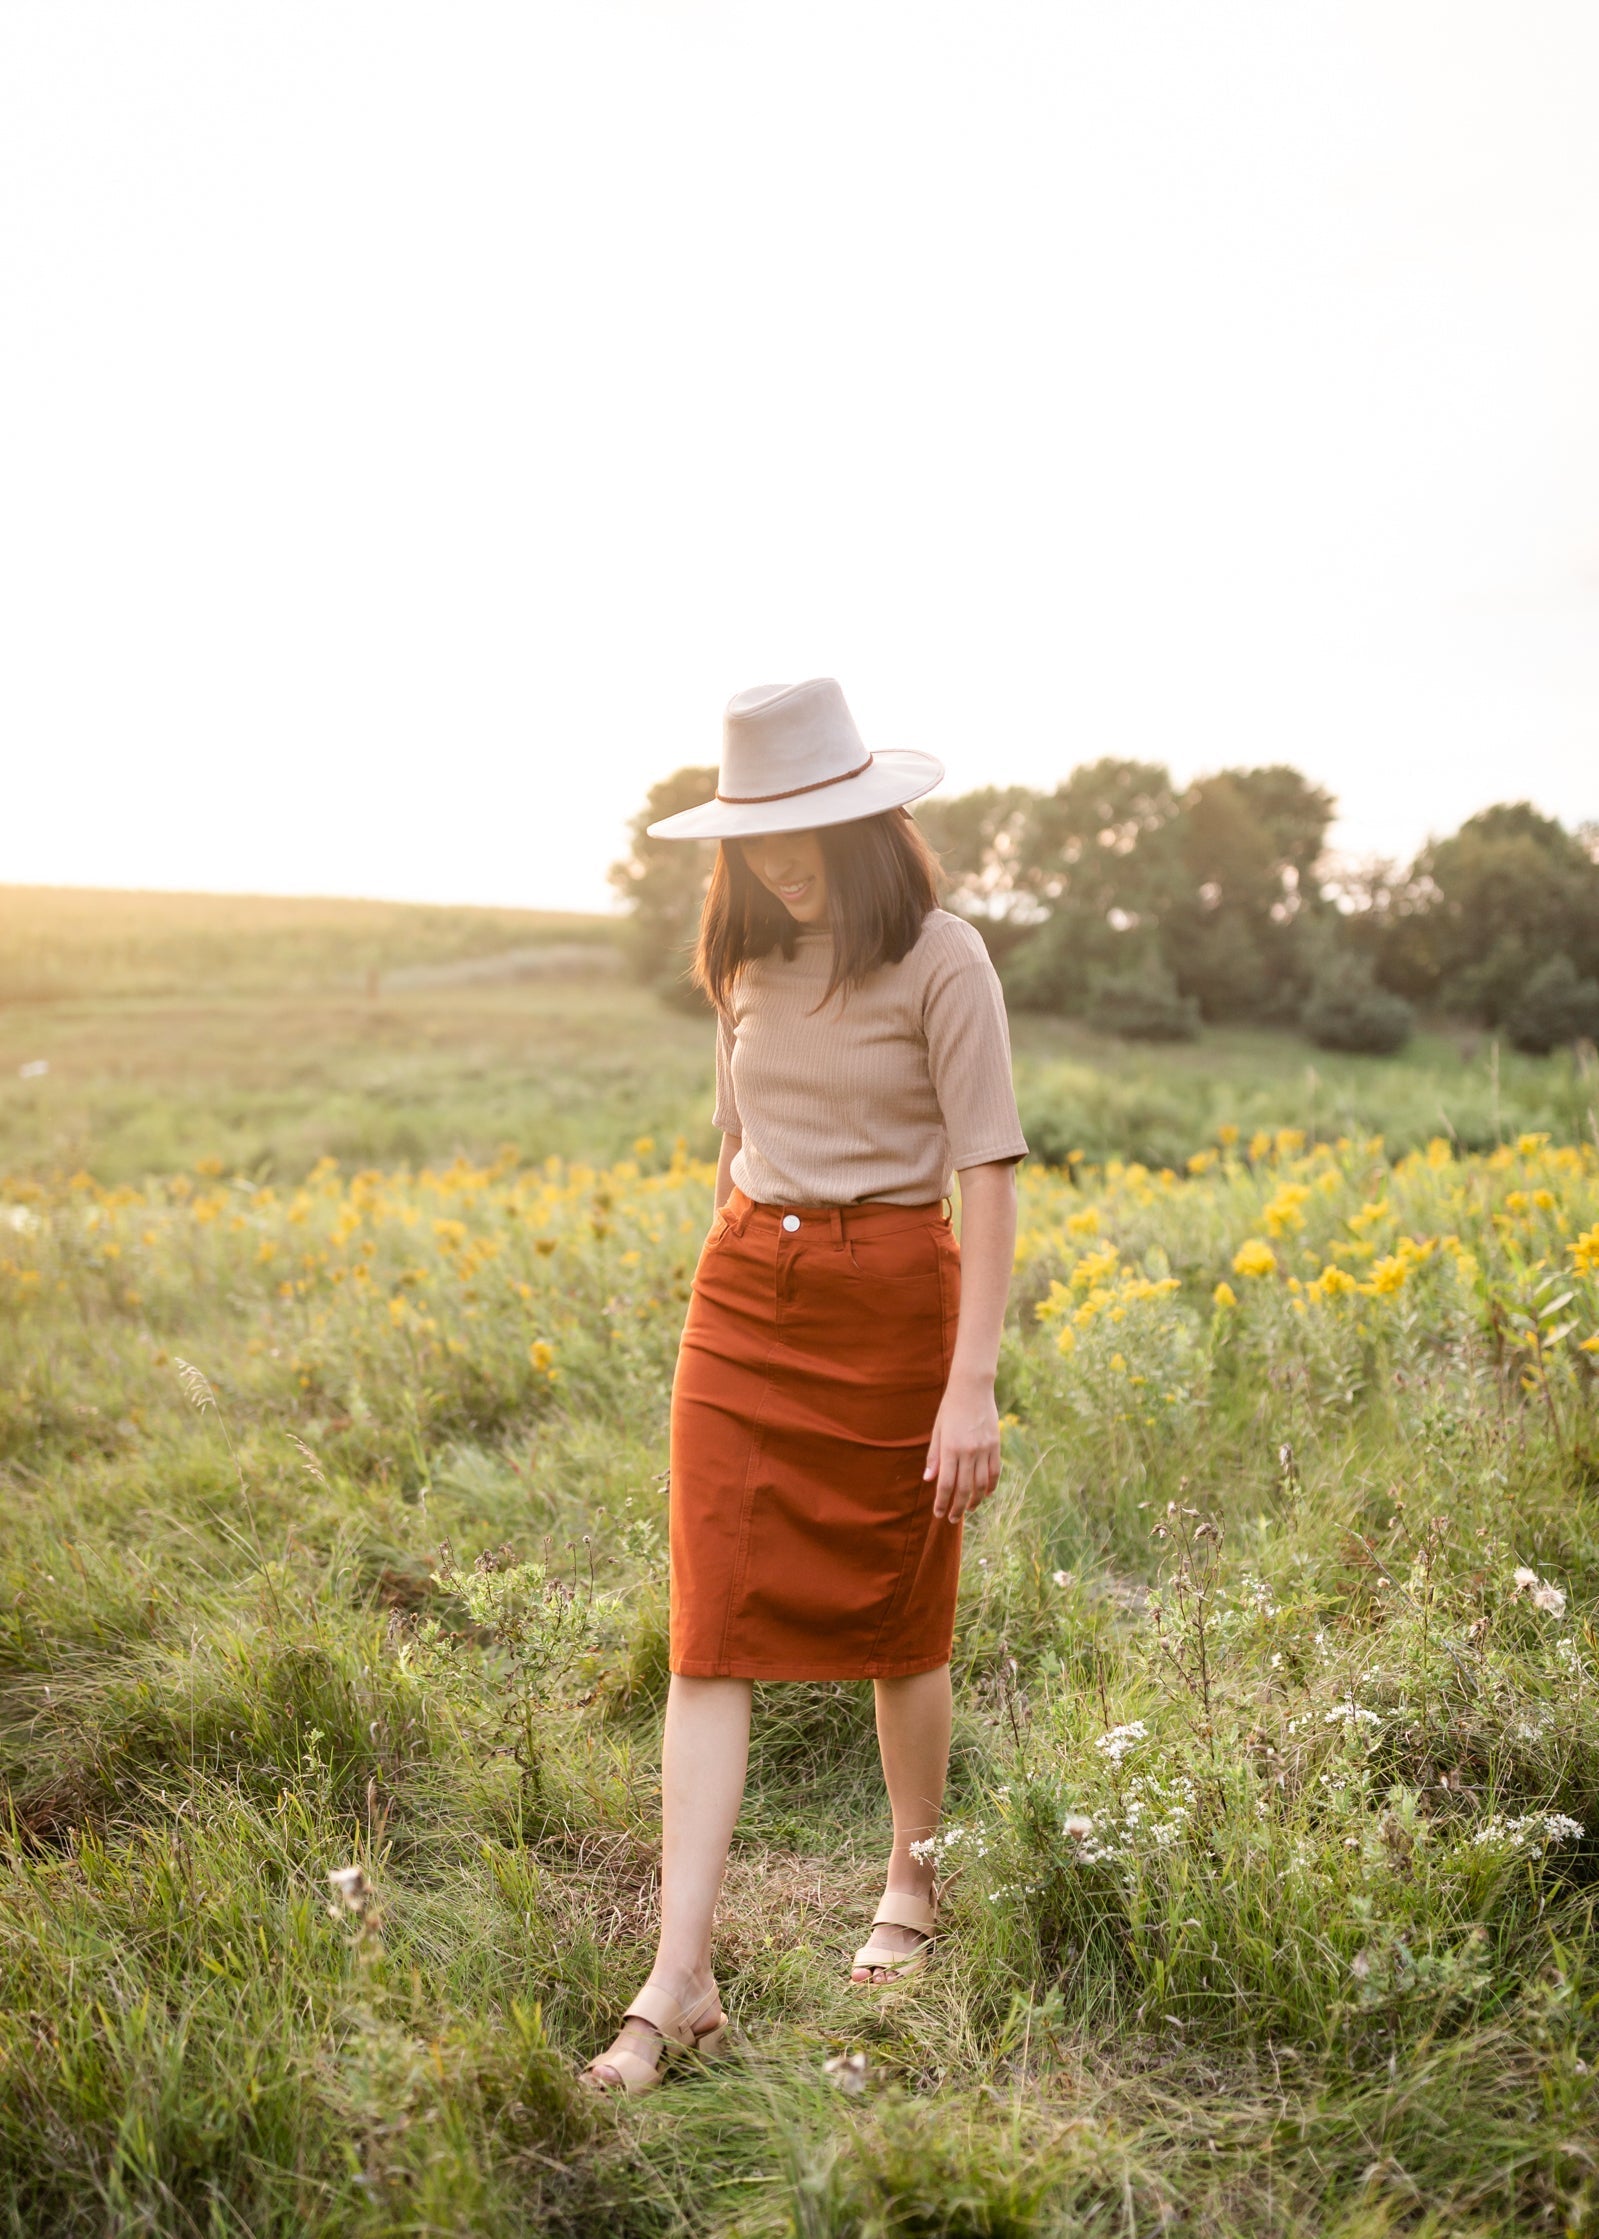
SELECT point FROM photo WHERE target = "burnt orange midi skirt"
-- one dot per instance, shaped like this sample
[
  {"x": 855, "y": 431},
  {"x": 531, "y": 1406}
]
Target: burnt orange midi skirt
[{"x": 813, "y": 1360}]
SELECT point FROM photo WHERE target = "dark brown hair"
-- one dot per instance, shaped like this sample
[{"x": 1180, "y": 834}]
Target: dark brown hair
[{"x": 882, "y": 879}]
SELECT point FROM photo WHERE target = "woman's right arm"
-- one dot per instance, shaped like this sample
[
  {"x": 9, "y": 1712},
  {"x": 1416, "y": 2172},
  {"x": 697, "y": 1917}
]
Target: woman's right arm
[{"x": 731, "y": 1146}]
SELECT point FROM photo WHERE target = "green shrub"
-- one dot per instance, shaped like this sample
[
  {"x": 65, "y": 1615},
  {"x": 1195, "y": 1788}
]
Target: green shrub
[
  {"x": 1143, "y": 1006},
  {"x": 1049, "y": 968},
  {"x": 1555, "y": 1006},
  {"x": 1347, "y": 1010}
]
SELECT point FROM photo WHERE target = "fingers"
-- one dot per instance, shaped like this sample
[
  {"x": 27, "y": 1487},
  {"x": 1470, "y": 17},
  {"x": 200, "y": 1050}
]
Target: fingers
[
  {"x": 948, "y": 1480},
  {"x": 977, "y": 1474}
]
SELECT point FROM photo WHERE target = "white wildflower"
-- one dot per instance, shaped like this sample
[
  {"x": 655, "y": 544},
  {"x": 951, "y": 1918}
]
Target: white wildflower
[
  {"x": 1121, "y": 1740},
  {"x": 1078, "y": 1826},
  {"x": 1532, "y": 1827},
  {"x": 1522, "y": 1577},
  {"x": 350, "y": 1884},
  {"x": 1549, "y": 1599}
]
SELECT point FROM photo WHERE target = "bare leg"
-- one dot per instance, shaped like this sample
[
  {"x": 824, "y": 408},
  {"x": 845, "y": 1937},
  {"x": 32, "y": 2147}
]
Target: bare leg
[
  {"x": 704, "y": 1758},
  {"x": 913, "y": 1723}
]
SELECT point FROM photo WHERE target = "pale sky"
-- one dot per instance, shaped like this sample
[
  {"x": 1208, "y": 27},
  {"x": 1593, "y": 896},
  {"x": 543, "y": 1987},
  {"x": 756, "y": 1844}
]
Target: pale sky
[{"x": 419, "y": 420}]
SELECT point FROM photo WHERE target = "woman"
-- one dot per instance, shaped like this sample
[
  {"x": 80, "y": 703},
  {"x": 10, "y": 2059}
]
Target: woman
[{"x": 833, "y": 1412}]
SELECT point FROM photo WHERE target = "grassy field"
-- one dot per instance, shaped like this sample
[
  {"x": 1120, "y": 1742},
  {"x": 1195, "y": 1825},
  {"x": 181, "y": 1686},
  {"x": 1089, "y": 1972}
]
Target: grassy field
[
  {"x": 63, "y": 942},
  {"x": 335, "y": 1342},
  {"x": 187, "y": 1027}
]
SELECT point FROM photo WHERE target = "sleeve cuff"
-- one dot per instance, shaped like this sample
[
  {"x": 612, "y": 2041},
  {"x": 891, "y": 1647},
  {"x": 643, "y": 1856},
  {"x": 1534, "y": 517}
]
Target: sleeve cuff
[{"x": 1006, "y": 1154}]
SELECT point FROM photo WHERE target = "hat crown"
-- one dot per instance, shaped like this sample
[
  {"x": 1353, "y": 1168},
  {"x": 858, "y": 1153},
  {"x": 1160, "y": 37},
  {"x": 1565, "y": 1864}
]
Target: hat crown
[{"x": 779, "y": 739}]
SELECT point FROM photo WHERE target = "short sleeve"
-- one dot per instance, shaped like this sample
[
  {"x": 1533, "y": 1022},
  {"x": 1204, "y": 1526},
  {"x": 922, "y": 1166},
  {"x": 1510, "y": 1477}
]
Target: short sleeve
[
  {"x": 725, "y": 1116},
  {"x": 968, "y": 1051}
]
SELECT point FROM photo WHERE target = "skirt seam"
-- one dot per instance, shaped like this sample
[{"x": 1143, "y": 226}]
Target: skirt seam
[{"x": 747, "y": 1504}]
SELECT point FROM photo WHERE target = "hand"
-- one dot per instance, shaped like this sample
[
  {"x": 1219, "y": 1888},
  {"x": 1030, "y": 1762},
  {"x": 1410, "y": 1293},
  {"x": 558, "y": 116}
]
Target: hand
[{"x": 964, "y": 1454}]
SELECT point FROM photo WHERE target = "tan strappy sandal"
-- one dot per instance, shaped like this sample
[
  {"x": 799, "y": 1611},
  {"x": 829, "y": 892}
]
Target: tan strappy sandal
[
  {"x": 899, "y": 1909},
  {"x": 674, "y": 2029}
]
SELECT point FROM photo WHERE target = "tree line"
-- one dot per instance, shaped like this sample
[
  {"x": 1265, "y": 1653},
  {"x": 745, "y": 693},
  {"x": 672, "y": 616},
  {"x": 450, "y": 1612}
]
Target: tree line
[{"x": 1144, "y": 908}]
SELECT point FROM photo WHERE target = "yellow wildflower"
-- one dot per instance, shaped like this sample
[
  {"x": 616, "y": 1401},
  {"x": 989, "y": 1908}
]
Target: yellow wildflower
[
  {"x": 1259, "y": 1143},
  {"x": 1085, "y": 1223},
  {"x": 1585, "y": 1251},
  {"x": 1369, "y": 1215},
  {"x": 1528, "y": 1146},
  {"x": 1590, "y": 1344},
  {"x": 1332, "y": 1282},
  {"x": 1066, "y": 1342},
  {"x": 1254, "y": 1257},
  {"x": 1092, "y": 1267},
  {"x": 1388, "y": 1276},
  {"x": 1283, "y": 1212},
  {"x": 1201, "y": 1162},
  {"x": 542, "y": 1355},
  {"x": 1227, "y": 1134},
  {"x": 1225, "y": 1295}
]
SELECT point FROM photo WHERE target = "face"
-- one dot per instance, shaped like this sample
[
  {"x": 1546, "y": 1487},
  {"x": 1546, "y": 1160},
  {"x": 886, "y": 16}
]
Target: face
[{"x": 789, "y": 865}]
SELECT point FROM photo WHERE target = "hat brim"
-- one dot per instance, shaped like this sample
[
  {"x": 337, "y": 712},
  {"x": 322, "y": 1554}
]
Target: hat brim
[{"x": 898, "y": 776}]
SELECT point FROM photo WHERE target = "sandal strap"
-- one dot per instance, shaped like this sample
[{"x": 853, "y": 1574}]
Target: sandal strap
[
  {"x": 900, "y": 1909},
  {"x": 662, "y": 2013},
  {"x": 672, "y": 2021},
  {"x": 892, "y": 1962},
  {"x": 633, "y": 2071}
]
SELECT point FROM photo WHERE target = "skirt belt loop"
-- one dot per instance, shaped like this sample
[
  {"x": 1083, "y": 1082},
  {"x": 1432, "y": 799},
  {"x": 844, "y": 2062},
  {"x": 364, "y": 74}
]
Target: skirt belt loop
[{"x": 836, "y": 1223}]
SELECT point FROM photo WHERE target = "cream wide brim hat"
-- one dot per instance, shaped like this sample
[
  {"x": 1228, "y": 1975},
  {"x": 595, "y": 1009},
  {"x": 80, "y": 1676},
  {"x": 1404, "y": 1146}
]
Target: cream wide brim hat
[{"x": 792, "y": 759}]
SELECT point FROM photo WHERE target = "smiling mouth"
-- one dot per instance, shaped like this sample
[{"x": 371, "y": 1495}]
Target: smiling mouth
[{"x": 793, "y": 893}]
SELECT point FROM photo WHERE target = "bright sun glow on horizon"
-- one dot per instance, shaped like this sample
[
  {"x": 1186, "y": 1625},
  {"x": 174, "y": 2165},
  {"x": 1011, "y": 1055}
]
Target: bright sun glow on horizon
[{"x": 421, "y": 420}]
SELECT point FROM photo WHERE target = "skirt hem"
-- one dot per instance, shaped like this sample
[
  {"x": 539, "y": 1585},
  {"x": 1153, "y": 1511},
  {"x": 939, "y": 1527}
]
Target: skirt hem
[{"x": 744, "y": 1667}]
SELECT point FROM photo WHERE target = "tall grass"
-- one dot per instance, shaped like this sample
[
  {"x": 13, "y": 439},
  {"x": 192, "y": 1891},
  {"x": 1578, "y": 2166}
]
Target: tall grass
[{"x": 334, "y": 1539}]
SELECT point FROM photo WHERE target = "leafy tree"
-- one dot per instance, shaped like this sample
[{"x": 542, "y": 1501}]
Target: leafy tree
[
  {"x": 1482, "y": 912},
  {"x": 662, "y": 883},
  {"x": 1249, "y": 845},
  {"x": 1100, "y": 844},
  {"x": 1296, "y": 815},
  {"x": 1094, "y": 865},
  {"x": 978, "y": 838}
]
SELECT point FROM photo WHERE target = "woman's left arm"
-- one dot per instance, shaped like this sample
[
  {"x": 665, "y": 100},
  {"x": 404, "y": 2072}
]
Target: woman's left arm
[{"x": 964, "y": 1454}]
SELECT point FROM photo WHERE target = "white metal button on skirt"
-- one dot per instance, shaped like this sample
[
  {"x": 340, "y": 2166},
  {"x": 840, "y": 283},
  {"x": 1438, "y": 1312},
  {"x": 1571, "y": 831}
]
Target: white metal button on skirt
[{"x": 791, "y": 1221}]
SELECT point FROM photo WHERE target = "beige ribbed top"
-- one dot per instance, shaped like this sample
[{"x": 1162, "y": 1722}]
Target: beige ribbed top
[{"x": 883, "y": 1094}]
